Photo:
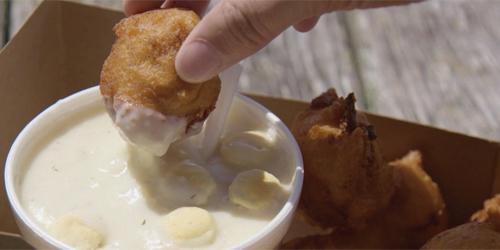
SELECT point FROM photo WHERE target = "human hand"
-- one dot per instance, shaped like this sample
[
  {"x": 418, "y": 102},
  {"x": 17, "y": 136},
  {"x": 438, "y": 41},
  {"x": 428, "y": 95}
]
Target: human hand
[{"x": 235, "y": 29}]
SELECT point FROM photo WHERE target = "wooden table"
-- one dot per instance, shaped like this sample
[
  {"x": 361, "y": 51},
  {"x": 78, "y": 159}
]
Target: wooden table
[{"x": 435, "y": 63}]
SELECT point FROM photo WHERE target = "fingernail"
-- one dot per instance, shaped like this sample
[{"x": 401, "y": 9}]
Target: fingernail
[{"x": 197, "y": 61}]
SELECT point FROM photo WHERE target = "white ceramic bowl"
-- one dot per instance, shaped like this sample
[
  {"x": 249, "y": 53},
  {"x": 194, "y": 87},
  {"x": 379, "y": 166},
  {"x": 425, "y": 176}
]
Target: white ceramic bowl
[{"x": 33, "y": 233}]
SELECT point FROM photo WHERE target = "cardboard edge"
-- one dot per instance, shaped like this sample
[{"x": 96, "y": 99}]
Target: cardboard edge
[
  {"x": 7, "y": 234},
  {"x": 495, "y": 189},
  {"x": 13, "y": 241},
  {"x": 258, "y": 97}
]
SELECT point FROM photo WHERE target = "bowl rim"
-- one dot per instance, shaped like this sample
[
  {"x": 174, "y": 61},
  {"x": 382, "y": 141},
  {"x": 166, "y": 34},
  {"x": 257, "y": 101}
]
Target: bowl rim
[{"x": 22, "y": 214}]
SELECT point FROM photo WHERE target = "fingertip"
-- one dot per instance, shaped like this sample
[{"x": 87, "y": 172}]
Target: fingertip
[
  {"x": 306, "y": 24},
  {"x": 197, "y": 62},
  {"x": 301, "y": 28}
]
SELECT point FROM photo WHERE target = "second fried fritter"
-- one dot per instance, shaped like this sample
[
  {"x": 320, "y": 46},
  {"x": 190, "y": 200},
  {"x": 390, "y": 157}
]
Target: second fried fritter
[
  {"x": 417, "y": 199},
  {"x": 417, "y": 208},
  {"x": 490, "y": 212},
  {"x": 346, "y": 181}
]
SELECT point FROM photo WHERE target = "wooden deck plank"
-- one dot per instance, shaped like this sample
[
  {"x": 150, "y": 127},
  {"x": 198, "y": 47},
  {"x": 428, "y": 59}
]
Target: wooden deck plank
[
  {"x": 301, "y": 66},
  {"x": 20, "y": 10},
  {"x": 435, "y": 62},
  {"x": 4, "y": 8}
]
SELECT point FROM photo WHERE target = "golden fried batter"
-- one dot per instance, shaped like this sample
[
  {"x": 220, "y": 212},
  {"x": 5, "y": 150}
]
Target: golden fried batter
[
  {"x": 417, "y": 208},
  {"x": 346, "y": 181},
  {"x": 417, "y": 199},
  {"x": 140, "y": 68},
  {"x": 490, "y": 212}
]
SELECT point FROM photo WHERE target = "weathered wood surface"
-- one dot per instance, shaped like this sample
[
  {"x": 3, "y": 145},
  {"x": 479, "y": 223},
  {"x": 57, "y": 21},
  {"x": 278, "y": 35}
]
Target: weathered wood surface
[
  {"x": 3, "y": 17},
  {"x": 302, "y": 65},
  {"x": 19, "y": 12},
  {"x": 435, "y": 62}
]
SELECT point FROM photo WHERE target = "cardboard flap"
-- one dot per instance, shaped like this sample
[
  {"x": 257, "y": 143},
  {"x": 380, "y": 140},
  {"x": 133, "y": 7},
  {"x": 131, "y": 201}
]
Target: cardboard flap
[
  {"x": 58, "y": 51},
  {"x": 13, "y": 241},
  {"x": 88, "y": 36},
  {"x": 31, "y": 76},
  {"x": 496, "y": 183}
]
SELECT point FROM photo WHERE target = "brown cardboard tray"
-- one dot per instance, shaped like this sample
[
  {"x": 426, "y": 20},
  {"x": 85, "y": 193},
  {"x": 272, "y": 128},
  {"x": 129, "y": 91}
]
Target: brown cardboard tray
[{"x": 62, "y": 46}]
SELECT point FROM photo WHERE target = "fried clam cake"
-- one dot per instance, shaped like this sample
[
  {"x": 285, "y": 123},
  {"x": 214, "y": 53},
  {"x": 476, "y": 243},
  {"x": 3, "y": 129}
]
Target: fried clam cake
[
  {"x": 346, "y": 180},
  {"x": 144, "y": 96},
  {"x": 366, "y": 202}
]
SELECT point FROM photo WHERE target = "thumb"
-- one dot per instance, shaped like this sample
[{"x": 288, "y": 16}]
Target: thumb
[{"x": 235, "y": 29}]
